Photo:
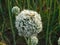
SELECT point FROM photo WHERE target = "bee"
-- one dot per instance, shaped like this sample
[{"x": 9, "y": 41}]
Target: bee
[{"x": 32, "y": 14}]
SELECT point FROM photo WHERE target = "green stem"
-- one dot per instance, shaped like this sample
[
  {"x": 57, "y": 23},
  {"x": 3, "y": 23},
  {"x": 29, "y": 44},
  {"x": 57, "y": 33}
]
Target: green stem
[
  {"x": 13, "y": 33},
  {"x": 35, "y": 5},
  {"x": 50, "y": 34},
  {"x": 48, "y": 17},
  {"x": 1, "y": 7},
  {"x": 54, "y": 6},
  {"x": 26, "y": 40},
  {"x": 7, "y": 40},
  {"x": 28, "y": 4},
  {"x": 47, "y": 32},
  {"x": 59, "y": 14},
  {"x": 3, "y": 20},
  {"x": 40, "y": 3},
  {"x": 50, "y": 40},
  {"x": 2, "y": 30},
  {"x": 29, "y": 41}
]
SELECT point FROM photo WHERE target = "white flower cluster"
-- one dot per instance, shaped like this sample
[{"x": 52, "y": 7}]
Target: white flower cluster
[
  {"x": 59, "y": 41},
  {"x": 28, "y": 23},
  {"x": 34, "y": 40},
  {"x": 15, "y": 10}
]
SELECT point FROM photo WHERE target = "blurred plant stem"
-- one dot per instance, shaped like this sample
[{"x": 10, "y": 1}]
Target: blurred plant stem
[
  {"x": 28, "y": 41},
  {"x": 28, "y": 4},
  {"x": 50, "y": 33},
  {"x": 13, "y": 33},
  {"x": 2, "y": 30},
  {"x": 59, "y": 14},
  {"x": 40, "y": 2},
  {"x": 3, "y": 21},
  {"x": 48, "y": 21}
]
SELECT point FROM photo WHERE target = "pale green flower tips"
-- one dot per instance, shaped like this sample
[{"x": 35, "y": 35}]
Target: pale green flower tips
[
  {"x": 16, "y": 10},
  {"x": 28, "y": 23},
  {"x": 59, "y": 41},
  {"x": 34, "y": 40}
]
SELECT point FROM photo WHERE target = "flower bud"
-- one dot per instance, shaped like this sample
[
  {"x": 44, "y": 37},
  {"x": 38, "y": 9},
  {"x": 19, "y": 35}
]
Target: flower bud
[
  {"x": 59, "y": 41},
  {"x": 34, "y": 40},
  {"x": 15, "y": 10}
]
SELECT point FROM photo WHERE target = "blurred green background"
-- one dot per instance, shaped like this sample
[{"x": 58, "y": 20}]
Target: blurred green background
[{"x": 49, "y": 11}]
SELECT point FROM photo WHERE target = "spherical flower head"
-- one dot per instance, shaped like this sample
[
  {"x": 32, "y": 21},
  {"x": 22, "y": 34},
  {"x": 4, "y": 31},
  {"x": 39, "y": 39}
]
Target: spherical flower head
[
  {"x": 59, "y": 41},
  {"x": 34, "y": 40},
  {"x": 15, "y": 10},
  {"x": 28, "y": 23}
]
